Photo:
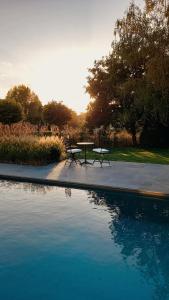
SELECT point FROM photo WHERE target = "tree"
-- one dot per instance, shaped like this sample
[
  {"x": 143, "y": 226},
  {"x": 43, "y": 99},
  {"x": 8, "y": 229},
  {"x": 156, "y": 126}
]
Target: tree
[
  {"x": 22, "y": 95},
  {"x": 35, "y": 111},
  {"x": 119, "y": 75},
  {"x": 29, "y": 101},
  {"x": 134, "y": 76},
  {"x": 76, "y": 120},
  {"x": 101, "y": 88},
  {"x": 56, "y": 113},
  {"x": 10, "y": 112}
]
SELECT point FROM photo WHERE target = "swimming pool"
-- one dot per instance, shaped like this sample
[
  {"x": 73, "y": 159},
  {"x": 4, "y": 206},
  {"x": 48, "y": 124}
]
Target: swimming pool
[{"x": 61, "y": 243}]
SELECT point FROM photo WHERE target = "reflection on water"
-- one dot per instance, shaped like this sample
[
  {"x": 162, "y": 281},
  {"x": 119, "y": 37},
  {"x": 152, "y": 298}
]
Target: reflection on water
[
  {"x": 138, "y": 226},
  {"x": 26, "y": 186},
  {"x": 68, "y": 192}
]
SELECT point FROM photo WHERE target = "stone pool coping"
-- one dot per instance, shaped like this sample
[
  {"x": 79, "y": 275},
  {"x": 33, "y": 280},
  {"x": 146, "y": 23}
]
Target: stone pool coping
[{"x": 143, "y": 179}]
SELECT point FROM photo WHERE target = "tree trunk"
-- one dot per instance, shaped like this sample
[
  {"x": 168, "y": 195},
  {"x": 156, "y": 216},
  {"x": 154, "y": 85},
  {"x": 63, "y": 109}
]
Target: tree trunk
[{"x": 134, "y": 137}]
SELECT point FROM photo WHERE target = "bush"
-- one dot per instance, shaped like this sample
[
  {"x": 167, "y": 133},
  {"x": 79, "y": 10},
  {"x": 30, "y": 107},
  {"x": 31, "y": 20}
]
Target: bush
[
  {"x": 31, "y": 149},
  {"x": 10, "y": 112}
]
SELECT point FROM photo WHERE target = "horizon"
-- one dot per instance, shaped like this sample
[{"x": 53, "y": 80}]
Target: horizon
[{"x": 49, "y": 45}]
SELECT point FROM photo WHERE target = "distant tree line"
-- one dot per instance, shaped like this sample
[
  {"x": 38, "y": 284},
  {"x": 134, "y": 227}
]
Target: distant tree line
[
  {"x": 22, "y": 104},
  {"x": 130, "y": 87}
]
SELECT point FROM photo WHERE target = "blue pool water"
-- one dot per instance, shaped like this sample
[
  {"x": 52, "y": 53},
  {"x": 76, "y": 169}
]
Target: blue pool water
[{"x": 61, "y": 244}]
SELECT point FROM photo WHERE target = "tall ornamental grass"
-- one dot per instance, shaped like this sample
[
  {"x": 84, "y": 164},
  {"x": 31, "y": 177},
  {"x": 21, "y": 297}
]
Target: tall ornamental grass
[
  {"x": 31, "y": 149},
  {"x": 25, "y": 128}
]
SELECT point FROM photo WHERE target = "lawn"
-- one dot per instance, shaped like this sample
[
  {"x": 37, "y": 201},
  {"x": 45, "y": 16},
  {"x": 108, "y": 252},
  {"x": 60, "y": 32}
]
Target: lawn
[{"x": 156, "y": 156}]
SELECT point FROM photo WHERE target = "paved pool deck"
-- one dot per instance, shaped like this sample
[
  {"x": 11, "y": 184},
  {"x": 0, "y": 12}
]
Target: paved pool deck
[{"x": 152, "y": 179}]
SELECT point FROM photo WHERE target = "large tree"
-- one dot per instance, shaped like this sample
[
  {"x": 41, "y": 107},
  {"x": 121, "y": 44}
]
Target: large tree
[
  {"x": 56, "y": 113},
  {"x": 134, "y": 76}
]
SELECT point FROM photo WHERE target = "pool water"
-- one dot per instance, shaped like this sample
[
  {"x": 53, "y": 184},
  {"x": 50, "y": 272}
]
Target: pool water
[{"x": 60, "y": 243}]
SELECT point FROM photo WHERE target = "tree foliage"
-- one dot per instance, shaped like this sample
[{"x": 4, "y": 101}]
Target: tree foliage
[
  {"x": 76, "y": 120},
  {"x": 35, "y": 111},
  {"x": 130, "y": 86},
  {"x": 10, "y": 112},
  {"x": 56, "y": 113},
  {"x": 29, "y": 101}
]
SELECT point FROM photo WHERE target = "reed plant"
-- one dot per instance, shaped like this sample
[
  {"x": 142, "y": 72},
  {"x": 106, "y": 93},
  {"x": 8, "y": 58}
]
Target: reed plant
[
  {"x": 28, "y": 129},
  {"x": 29, "y": 149}
]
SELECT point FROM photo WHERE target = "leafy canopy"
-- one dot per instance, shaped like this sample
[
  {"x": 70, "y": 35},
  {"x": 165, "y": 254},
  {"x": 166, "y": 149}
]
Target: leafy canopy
[
  {"x": 129, "y": 87},
  {"x": 56, "y": 113},
  {"x": 29, "y": 101}
]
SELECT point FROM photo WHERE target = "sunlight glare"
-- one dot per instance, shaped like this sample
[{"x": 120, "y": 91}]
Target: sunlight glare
[{"x": 61, "y": 75}]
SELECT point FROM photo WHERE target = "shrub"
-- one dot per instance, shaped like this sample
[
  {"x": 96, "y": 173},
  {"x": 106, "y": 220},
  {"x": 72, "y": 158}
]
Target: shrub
[
  {"x": 31, "y": 149},
  {"x": 10, "y": 112}
]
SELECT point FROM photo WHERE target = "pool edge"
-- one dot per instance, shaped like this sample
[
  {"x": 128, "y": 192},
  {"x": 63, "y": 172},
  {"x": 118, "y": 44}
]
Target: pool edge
[{"x": 160, "y": 195}]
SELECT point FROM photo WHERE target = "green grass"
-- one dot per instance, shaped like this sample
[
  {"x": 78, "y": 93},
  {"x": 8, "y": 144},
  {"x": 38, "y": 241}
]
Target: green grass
[{"x": 156, "y": 156}]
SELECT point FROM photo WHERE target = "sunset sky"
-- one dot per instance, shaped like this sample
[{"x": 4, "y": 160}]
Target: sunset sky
[{"x": 49, "y": 44}]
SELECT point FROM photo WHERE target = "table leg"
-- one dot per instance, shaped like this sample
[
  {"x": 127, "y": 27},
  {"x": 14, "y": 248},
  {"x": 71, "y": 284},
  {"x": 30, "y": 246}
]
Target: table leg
[
  {"x": 85, "y": 155},
  {"x": 85, "y": 162}
]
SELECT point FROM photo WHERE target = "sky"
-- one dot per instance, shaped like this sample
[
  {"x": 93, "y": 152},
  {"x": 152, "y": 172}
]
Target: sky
[{"x": 50, "y": 44}]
